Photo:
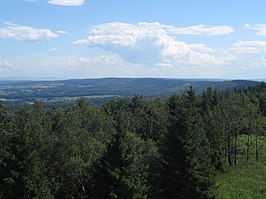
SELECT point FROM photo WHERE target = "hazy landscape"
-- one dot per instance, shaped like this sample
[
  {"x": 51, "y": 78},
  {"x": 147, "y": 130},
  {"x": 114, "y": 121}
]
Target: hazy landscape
[
  {"x": 132, "y": 99},
  {"x": 98, "y": 91}
]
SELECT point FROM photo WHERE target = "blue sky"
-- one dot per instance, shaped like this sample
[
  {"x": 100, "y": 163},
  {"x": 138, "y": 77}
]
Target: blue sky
[{"x": 62, "y": 39}]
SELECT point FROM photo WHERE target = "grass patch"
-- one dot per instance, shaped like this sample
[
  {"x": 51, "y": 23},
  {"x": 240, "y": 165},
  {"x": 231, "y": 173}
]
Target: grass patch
[{"x": 246, "y": 180}]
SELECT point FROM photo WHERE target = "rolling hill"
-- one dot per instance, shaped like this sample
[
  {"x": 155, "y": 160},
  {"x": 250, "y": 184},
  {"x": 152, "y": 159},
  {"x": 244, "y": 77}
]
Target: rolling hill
[{"x": 99, "y": 90}]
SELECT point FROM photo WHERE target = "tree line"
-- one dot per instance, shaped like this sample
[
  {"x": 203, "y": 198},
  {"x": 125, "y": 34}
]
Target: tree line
[{"x": 130, "y": 147}]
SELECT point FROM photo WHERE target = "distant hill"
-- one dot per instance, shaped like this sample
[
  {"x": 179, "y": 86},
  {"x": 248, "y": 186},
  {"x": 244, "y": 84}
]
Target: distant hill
[{"x": 105, "y": 88}]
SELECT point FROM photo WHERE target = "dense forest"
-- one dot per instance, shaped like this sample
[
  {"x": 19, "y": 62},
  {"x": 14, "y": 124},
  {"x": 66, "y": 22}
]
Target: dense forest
[{"x": 130, "y": 148}]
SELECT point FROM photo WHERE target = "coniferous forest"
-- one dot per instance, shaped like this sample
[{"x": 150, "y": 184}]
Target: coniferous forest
[{"x": 131, "y": 148}]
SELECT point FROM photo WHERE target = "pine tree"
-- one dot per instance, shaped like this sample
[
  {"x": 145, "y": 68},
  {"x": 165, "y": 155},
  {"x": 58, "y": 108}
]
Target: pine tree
[
  {"x": 122, "y": 172},
  {"x": 186, "y": 169}
]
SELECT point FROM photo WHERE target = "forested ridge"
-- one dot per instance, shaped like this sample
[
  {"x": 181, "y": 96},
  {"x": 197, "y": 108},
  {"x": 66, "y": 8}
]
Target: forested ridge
[
  {"x": 101, "y": 90},
  {"x": 131, "y": 147}
]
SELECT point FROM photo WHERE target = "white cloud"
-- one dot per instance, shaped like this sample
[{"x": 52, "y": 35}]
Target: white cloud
[
  {"x": 203, "y": 30},
  {"x": 61, "y": 32},
  {"x": 231, "y": 66},
  {"x": 157, "y": 50},
  {"x": 27, "y": 33},
  {"x": 4, "y": 63},
  {"x": 5, "y": 67},
  {"x": 64, "y": 67},
  {"x": 76, "y": 63},
  {"x": 249, "y": 47},
  {"x": 144, "y": 49},
  {"x": 67, "y": 2},
  {"x": 53, "y": 49},
  {"x": 249, "y": 55},
  {"x": 101, "y": 60},
  {"x": 259, "y": 28},
  {"x": 151, "y": 43}
]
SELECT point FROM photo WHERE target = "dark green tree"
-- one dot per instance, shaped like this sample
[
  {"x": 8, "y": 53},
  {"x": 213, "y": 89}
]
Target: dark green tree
[
  {"x": 186, "y": 169},
  {"x": 25, "y": 169},
  {"x": 148, "y": 119},
  {"x": 123, "y": 171},
  {"x": 81, "y": 135},
  {"x": 209, "y": 99}
]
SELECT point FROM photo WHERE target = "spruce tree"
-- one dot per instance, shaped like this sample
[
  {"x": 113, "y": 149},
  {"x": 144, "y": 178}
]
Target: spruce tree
[
  {"x": 186, "y": 169},
  {"x": 121, "y": 172}
]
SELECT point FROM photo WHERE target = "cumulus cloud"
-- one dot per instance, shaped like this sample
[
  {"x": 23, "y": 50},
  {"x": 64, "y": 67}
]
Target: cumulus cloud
[
  {"x": 259, "y": 28},
  {"x": 249, "y": 54},
  {"x": 152, "y": 43},
  {"x": 143, "y": 49},
  {"x": 235, "y": 65},
  {"x": 67, "y": 2},
  {"x": 27, "y": 33}
]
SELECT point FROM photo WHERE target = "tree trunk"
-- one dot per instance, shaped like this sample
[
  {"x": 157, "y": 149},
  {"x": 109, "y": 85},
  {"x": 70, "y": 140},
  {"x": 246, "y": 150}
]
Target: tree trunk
[
  {"x": 257, "y": 150},
  {"x": 235, "y": 147},
  {"x": 229, "y": 150},
  {"x": 248, "y": 145}
]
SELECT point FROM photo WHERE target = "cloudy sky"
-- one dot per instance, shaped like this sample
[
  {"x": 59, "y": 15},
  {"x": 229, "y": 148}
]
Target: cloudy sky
[{"x": 62, "y": 39}]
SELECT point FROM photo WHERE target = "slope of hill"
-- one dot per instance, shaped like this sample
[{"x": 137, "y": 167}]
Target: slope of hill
[{"x": 69, "y": 90}]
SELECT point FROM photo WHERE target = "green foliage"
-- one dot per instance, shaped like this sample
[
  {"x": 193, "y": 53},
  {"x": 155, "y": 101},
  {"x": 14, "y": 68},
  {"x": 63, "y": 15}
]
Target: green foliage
[
  {"x": 244, "y": 180},
  {"x": 49, "y": 154},
  {"x": 24, "y": 170},
  {"x": 82, "y": 132},
  {"x": 136, "y": 148},
  {"x": 147, "y": 118},
  {"x": 263, "y": 125},
  {"x": 123, "y": 170},
  {"x": 186, "y": 171},
  {"x": 244, "y": 141}
]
